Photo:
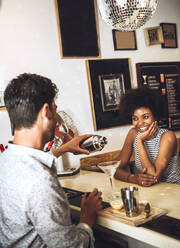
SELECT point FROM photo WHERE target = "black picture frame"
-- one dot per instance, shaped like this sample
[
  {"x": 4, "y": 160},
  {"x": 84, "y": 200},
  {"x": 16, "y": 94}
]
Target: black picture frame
[
  {"x": 111, "y": 89},
  {"x": 77, "y": 28},
  {"x": 124, "y": 40},
  {"x": 101, "y": 73},
  {"x": 169, "y": 34}
]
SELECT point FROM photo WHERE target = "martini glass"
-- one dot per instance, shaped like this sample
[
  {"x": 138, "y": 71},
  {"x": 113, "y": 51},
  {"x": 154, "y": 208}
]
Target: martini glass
[{"x": 109, "y": 168}]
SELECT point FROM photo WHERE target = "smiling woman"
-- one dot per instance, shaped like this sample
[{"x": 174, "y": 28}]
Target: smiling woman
[{"x": 155, "y": 148}]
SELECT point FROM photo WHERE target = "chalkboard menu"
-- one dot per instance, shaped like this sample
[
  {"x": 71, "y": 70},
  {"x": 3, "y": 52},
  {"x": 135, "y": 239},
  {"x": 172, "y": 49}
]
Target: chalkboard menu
[
  {"x": 77, "y": 28},
  {"x": 165, "y": 77}
]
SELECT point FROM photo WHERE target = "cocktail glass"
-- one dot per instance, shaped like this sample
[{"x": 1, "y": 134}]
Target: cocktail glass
[{"x": 109, "y": 168}]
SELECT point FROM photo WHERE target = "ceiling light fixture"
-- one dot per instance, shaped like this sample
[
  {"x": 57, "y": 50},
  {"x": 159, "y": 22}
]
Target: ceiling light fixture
[{"x": 126, "y": 15}]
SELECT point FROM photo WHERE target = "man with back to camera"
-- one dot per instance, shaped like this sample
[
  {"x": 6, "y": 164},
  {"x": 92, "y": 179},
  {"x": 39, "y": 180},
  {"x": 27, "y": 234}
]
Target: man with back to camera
[{"x": 34, "y": 211}]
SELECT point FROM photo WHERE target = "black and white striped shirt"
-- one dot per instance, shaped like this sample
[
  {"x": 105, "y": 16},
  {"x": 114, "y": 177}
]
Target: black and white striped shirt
[{"x": 172, "y": 172}]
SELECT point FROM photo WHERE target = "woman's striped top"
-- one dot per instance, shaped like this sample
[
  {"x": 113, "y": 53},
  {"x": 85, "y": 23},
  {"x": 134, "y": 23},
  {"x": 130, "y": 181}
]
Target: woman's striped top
[{"x": 172, "y": 172}]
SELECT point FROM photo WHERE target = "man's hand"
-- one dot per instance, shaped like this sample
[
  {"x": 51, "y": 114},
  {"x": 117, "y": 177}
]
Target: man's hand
[
  {"x": 90, "y": 204},
  {"x": 74, "y": 144},
  {"x": 145, "y": 179}
]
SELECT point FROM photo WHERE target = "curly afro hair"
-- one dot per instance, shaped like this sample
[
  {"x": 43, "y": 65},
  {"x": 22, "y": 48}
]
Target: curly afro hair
[{"x": 142, "y": 97}]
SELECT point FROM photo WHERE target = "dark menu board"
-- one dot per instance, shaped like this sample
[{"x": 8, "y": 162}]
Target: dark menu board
[
  {"x": 165, "y": 77},
  {"x": 78, "y": 34}
]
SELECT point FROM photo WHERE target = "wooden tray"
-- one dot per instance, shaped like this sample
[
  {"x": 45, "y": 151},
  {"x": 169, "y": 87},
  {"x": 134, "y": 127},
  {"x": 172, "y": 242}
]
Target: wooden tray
[{"x": 120, "y": 215}]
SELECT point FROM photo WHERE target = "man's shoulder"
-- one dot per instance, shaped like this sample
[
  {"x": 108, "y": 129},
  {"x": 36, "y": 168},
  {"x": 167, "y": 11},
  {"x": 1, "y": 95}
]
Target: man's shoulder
[{"x": 27, "y": 168}]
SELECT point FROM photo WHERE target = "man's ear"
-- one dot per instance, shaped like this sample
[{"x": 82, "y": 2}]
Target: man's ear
[{"x": 46, "y": 112}]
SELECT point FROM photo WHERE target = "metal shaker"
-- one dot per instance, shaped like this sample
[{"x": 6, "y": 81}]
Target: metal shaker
[
  {"x": 130, "y": 200},
  {"x": 94, "y": 143}
]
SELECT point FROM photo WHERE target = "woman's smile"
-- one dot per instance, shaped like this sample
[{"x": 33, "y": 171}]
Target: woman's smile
[{"x": 143, "y": 129}]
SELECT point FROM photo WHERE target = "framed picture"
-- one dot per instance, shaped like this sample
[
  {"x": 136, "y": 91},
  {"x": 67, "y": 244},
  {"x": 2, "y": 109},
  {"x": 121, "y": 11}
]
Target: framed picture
[
  {"x": 124, "y": 40},
  {"x": 77, "y": 28},
  {"x": 169, "y": 34},
  {"x": 153, "y": 36},
  {"x": 108, "y": 79},
  {"x": 2, "y": 105},
  {"x": 111, "y": 88}
]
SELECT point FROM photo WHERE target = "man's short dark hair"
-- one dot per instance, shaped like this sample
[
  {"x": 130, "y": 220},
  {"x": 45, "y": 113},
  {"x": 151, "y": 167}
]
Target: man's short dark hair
[
  {"x": 142, "y": 97},
  {"x": 24, "y": 97}
]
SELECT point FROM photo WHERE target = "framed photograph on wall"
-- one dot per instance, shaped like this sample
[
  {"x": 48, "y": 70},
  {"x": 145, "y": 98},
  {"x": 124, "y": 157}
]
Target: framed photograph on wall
[
  {"x": 169, "y": 34},
  {"x": 111, "y": 88},
  {"x": 108, "y": 79},
  {"x": 153, "y": 36},
  {"x": 124, "y": 40}
]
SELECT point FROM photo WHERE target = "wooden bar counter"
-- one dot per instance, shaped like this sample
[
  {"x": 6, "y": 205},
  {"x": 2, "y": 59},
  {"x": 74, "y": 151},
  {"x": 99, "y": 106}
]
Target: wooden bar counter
[{"x": 162, "y": 195}]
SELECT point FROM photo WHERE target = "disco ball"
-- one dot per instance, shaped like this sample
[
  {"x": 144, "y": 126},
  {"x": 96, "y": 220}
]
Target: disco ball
[{"x": 126, "y": 15}]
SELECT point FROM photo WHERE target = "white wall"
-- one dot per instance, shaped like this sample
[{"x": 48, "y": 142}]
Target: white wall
[{"x": 29, "y": 43}]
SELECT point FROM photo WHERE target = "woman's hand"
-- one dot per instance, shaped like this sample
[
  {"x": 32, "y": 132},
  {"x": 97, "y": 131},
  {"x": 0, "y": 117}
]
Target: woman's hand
[
  {"x": 145, "y": 179},
  {"x": 90, "y": 204},
  {"x": 150, "y": 133}
]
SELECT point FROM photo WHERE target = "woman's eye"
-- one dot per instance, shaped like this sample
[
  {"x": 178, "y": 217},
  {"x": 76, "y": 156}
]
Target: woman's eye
[
  {"x": 146, "y": 116},
  {"x": 134, "y": 118}
]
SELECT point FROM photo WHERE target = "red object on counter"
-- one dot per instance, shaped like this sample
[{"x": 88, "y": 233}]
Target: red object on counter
[{"x": 2, "y": 148}]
